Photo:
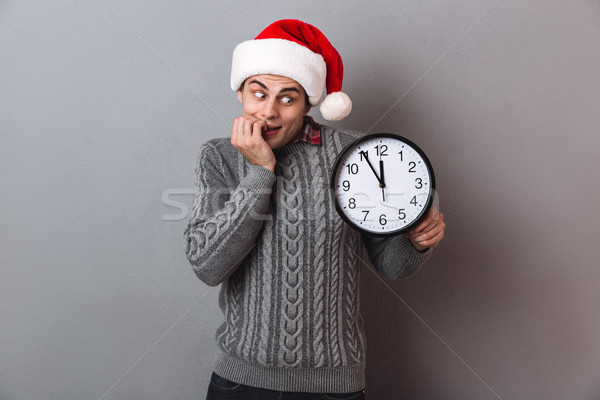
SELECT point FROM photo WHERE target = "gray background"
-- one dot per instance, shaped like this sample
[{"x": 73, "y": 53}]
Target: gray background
[{"x": 104, "y": 105}]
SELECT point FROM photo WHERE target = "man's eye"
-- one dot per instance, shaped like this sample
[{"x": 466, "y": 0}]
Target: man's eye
[
  {"x": 259, "y": 95},
  {"x": 287, "y": 100}
]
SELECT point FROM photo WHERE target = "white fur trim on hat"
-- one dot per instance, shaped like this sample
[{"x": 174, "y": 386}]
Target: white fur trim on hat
[
  {"x": 280, "y": 57},
  {"x": 336, "y": 106}
]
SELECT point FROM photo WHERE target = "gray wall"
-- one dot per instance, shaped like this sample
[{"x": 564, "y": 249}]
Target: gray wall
[{"x": 104, "y": 105}]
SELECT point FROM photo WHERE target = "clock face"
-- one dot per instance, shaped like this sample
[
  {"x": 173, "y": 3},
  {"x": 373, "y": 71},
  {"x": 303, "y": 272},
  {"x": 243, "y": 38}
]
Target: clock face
[{"x": 383, "y": 184}]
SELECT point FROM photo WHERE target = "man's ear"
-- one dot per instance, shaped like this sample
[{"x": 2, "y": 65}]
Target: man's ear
[
  {"x": 239, "y": 93},
  {"x": 307, "y": 109}
]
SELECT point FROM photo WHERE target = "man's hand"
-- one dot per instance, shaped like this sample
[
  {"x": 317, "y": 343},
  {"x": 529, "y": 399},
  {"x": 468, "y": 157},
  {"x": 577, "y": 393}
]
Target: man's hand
[
  {"x": 429, "y": 232},
  {"x": 246, "y": 136}
]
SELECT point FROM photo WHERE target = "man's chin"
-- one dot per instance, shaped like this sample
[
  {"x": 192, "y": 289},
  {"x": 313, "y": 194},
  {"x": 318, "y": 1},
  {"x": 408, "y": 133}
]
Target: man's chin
[
  {"x": 271, "y": 141},
  {"x": 274, "y": 146}
]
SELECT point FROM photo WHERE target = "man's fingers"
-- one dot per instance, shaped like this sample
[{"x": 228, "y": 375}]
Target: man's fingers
[
  {"x": 247, "y": 131},
  {"x": 257, "y": 129},
  {"x": 431, "y": 239},
  {"x": 429, "y": 235},
  {"x": 235, "y": 131},
  {"x": 246, "y": 136},
  {"x": 433, "y": 219},
  {"x": 432, "y": 216},
  {"x": 250, "y": 132}
]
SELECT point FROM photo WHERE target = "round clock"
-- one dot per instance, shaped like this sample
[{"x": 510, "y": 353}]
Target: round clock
[{"x": 383, "y": 184}]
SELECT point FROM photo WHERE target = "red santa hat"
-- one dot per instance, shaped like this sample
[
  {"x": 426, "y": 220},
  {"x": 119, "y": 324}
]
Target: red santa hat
[{"x": 299, "y": 51}]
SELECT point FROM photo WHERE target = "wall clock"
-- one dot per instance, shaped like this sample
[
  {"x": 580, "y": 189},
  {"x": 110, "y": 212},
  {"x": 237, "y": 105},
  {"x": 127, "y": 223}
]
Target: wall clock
[{"x": 383, "y": 184}]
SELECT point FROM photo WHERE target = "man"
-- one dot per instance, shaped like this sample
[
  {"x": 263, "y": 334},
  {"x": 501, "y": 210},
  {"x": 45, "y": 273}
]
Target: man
[{"x": 264, "y": 226}]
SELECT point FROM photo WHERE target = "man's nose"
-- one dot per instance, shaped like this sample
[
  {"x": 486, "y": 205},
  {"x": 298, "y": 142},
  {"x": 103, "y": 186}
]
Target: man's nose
[{"x": 269, "y": 109}]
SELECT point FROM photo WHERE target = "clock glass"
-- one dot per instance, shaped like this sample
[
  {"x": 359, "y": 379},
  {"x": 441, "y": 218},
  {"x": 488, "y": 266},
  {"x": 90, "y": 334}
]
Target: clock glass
[{"x": 383, "y": 184}]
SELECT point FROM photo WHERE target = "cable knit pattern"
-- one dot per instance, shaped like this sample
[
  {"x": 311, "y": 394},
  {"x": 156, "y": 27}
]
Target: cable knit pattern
[
  {"x": 265, "y": 313},
  {"x": 224, "y": 211},
  {"x": 320, "y": 223},
  {"x": 251, "y": 304},
  {"x": 213, "y": 228},
  {"x": 334, "y": 278},
  {"x": 350, "y": 319},
  {"x": 288, "y": 266},
  {"x": 292, "y": 251},
  {"x": 234, "y": 314}
]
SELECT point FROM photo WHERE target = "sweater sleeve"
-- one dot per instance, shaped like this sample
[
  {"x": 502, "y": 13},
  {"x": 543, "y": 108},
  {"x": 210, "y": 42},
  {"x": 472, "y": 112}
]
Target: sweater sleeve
[
  {"x": 225, "y": 221},
  {"x": 394, "y": 257}
]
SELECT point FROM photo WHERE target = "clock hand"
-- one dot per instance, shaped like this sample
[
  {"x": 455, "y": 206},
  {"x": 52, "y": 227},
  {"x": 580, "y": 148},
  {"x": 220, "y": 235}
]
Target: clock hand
[
  {"x": 382, "y": 180},
  {"x": 372, "y": 169}
]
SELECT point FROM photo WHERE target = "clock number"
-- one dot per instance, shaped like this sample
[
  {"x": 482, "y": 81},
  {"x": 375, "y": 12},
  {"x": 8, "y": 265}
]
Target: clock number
[
  {"x": 352, "y": 168},
  {"x": 365, "y": 154},
  {"x": 346, "y": 185},
  {"x": 382, "y": 220},
  {"x": 352, "y": 203},
  {"x": 412, "y": 165},
  {"x": 419, "y": 184},
  {"x": 381, "y": 150},
  {"x": 366, "y": 213},
  {"x": 401, "y": 214},
  {"x": 401, "y": 156},
  {"x": 414, "y": 201}
]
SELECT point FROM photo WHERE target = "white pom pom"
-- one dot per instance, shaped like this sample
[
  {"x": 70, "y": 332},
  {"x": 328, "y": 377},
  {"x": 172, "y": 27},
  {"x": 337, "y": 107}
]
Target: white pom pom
[{"x": 336, "y": 106}]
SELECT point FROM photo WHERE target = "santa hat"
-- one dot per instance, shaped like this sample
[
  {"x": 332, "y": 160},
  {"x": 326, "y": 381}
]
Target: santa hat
[{"x": 299, "y": 51}]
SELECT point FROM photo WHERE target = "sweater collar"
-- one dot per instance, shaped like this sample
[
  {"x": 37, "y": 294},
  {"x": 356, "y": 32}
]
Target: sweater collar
[{"x": 309, "y": 136}]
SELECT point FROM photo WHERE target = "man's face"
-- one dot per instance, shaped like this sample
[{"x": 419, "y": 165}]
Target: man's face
[{"x": 277, "y": 100}]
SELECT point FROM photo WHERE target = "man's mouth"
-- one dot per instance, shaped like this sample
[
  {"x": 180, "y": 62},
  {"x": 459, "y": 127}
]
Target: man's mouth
[{"x": 271, "y": 130}]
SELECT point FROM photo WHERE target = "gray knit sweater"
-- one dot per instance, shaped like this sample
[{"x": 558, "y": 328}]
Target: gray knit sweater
[{"x": 288, "y": 266}]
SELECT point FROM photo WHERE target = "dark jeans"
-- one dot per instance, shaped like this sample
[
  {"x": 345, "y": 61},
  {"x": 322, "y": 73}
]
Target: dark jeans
[{"x": 223, "y": 389}]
